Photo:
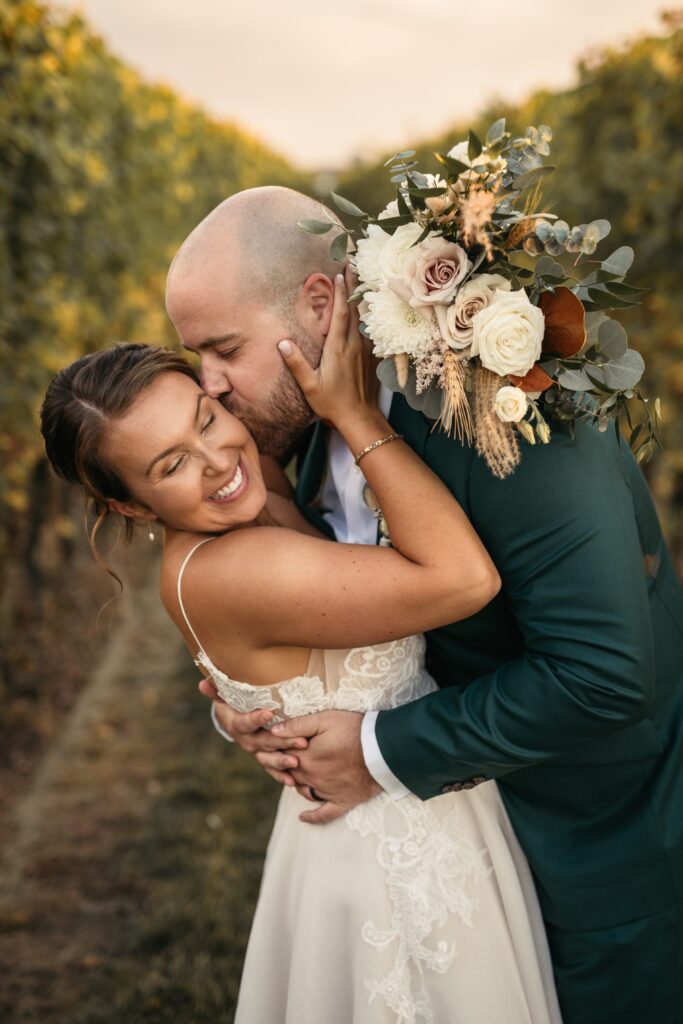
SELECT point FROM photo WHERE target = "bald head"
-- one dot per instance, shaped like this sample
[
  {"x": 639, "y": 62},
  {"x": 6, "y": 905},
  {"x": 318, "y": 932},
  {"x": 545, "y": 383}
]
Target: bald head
[{"x": 253, "y": 241}]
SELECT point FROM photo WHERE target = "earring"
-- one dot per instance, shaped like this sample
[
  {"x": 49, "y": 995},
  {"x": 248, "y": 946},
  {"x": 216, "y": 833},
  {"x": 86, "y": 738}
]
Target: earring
[{"x": 151, "y": 535}]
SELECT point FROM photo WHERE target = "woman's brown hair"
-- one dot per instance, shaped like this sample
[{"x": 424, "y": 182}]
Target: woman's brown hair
[{"x": 82, "y": 400}]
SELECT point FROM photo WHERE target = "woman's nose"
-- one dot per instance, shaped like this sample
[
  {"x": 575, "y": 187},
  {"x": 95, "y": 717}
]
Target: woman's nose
[{"x": 219, "y": 460}]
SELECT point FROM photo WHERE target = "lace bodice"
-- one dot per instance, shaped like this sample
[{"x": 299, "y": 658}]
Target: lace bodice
[{"x": 360, "y": 679}]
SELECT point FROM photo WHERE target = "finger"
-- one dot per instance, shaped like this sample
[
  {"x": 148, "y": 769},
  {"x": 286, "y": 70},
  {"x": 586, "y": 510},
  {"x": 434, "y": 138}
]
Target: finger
[
  {"x": 283, "y": 778},
  {"x": 307, "y": 794},
  {"x": 350, "y": 279},
  {"x": 306, "y": 725},
  {"x": 207, "y": 689},
  {"x": 322, "y": 815},
  {"x": 300, "y": 368},
  {"x": 276, "y": 761},
  {"x": 337, "y": 334},
  {"x": 243, "y": 723}
]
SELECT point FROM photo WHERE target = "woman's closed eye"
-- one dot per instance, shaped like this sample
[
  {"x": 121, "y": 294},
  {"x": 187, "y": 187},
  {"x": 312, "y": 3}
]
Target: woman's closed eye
[
  {"x": 208, "y": 422},
  {"x": 174, "y": 465}
]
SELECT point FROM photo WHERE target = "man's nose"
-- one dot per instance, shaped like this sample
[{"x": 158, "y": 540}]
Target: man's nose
[{"x": 215, "y": 384}]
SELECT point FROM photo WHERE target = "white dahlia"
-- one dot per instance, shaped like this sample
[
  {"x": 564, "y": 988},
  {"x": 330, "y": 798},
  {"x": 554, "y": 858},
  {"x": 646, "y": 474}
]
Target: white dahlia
[
  {"x": 396, "y": 327},
  {"x": 366, "y": 257}
]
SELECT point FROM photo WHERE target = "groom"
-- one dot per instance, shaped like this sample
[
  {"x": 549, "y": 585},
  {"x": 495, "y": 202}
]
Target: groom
[{"x": 567, "y": 688}]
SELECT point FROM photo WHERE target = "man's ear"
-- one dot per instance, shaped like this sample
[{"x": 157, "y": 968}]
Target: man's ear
[
  {"x": 131, "y": 510},
  {"x": 315, "y": 302}
]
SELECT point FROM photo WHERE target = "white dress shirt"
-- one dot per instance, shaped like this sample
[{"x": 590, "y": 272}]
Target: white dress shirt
[{"x": 353, "y": 522}]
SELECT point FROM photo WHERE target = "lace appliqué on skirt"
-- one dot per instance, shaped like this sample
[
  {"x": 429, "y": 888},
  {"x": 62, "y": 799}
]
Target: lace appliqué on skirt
[{"x": 432, "y": 871}]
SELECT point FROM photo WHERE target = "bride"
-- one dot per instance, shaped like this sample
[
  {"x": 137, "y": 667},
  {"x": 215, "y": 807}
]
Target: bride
[{"x": 400, "y": 911}]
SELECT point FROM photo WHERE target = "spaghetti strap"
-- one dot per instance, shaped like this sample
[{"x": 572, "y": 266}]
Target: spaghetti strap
[{"x": 187, "y": 558}]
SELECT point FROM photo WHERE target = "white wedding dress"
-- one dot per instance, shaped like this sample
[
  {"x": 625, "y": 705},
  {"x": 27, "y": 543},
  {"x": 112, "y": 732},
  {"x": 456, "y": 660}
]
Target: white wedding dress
[{"x": 402, "y": 911}]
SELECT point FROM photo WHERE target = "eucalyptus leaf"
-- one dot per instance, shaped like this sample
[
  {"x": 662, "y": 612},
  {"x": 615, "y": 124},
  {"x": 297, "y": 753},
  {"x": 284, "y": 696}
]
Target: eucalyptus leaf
[
  {"x": 347, "y": 207},
  {"x": 495, "y": 132},
  {"x": 575, "y": 380},
  {"x": 612, "y": 339},
  {"x": 546, "y": 266},
  {"x": 454, "y": 167},
  {"x": 338, "y": 249},
  {"x": 389, "y": 224},
  {"x": 429, "y": 402},
  {"x": 625, "y": 291},
  {"x": 428, "y": 193},
  {"x": 602, "y": 227},
  {"x": 624, "y": 372},
  {"x": 400, "y": 156},
  {"x": 315, "y": 227},
  {"x": 474, "y": 146},
  {"x": 620, "y": 261},
  {"x": 593, "y": 322},
  {"x": 531, "y": 177}
]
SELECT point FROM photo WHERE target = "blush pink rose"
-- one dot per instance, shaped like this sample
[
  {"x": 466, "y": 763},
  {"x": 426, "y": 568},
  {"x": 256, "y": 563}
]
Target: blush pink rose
[{"x": 432, "y": 272}]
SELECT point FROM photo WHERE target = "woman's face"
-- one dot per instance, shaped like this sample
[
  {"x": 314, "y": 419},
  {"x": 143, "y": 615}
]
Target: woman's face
[{"x": 186, "y": 458}]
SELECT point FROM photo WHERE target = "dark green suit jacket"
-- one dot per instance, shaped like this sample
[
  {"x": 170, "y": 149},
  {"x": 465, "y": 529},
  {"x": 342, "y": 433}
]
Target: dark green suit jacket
[{"x": 568, "y": 687}]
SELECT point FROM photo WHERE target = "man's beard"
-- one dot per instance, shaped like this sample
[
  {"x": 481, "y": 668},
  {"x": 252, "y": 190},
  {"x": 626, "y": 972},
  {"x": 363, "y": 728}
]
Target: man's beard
[{"x": 283, "y": 416}]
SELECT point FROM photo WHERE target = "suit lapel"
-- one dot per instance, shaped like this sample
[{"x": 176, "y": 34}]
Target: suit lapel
[{"x": 310, "y": 477}]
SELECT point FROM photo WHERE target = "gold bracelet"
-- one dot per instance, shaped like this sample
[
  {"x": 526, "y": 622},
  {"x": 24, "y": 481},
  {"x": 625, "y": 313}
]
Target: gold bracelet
[{"x": 377, "y": 444}]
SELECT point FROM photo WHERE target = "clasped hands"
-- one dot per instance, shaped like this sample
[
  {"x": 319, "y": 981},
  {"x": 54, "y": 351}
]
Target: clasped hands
[{"x": 319, "y": 754}]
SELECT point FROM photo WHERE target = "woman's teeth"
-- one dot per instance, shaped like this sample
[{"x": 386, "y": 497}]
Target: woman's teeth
[{"x": 230, "y": 488}]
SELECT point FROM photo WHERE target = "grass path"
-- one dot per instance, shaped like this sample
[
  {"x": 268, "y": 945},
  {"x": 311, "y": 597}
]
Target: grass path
[{"x": 128, "y": 885}]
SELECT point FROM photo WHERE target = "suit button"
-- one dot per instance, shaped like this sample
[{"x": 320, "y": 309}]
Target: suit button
[{"x": 478, "y": 779}]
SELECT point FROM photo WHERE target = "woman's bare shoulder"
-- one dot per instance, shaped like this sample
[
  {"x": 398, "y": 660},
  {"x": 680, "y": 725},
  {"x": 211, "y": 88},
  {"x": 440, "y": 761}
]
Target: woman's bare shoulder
[{"x": 235, "y": 555}]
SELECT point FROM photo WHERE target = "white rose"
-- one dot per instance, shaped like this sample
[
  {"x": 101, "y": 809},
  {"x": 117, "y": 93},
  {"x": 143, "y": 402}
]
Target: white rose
[
  {"x": 390, "y": 210},
  {"x": 395, "y": 251},
  {"x": 459, "y": 152},
  {"x": 431, "y": 272},
  {"x": 508, "y": 334},
  {"x": 493, "y": 164},
  {"x": 510, "y": 404},
  {"x": 476, "y": 294},
  {"x": 366, "y": 257}
]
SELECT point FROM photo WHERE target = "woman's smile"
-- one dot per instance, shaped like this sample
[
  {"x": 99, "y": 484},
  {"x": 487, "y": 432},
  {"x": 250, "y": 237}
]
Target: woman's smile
[{"x": 233, "y": 488}]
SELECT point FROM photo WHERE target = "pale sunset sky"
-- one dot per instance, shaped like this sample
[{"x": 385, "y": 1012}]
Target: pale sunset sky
[{"x": 324, "y": 81}]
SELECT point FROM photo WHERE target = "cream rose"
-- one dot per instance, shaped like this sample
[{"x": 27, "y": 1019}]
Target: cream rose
[
  {"x": 395, "y": 252},
  {"x": 510, "y": 404},
  {"x": 508, "y": 334},
  {"x": 432, "y": 271},
  {"x": 493, "y": 165},
  {"x": 455, "y": 322}
]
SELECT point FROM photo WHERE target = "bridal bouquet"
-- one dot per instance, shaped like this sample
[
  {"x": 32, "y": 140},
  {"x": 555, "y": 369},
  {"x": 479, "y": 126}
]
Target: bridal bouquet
[{"x": 488, "y": 312}]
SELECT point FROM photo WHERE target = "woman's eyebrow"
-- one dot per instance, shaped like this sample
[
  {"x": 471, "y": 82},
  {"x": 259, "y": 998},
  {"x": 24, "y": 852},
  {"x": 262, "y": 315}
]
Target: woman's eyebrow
[{"x": 174, "y": 447}]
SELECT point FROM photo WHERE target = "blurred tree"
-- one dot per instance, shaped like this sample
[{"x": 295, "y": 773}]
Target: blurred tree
[{"x": 101, "y": 177}]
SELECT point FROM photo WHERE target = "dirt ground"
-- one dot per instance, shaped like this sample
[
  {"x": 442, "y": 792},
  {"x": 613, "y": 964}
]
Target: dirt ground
[{"x": 133, "y": 858}]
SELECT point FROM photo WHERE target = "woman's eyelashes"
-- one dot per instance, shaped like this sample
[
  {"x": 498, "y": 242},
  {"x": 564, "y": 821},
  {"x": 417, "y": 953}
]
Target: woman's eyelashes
[{"x": 175, "y": 465}]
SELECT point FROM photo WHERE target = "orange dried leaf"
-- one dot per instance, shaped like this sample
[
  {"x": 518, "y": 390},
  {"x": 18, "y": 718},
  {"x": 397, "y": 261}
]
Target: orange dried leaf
[
  {"x": 535, "y": 380},
  {"x": 565, "y": 322}
]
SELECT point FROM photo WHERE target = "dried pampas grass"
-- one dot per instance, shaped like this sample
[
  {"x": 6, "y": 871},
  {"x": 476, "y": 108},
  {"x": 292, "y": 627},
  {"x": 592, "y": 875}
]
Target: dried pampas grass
[{"x": 496, "y": 441}]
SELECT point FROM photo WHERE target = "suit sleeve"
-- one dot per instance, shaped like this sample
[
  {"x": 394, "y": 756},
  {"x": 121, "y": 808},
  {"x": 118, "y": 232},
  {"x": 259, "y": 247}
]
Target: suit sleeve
[{"x": 562, "y": 531}]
